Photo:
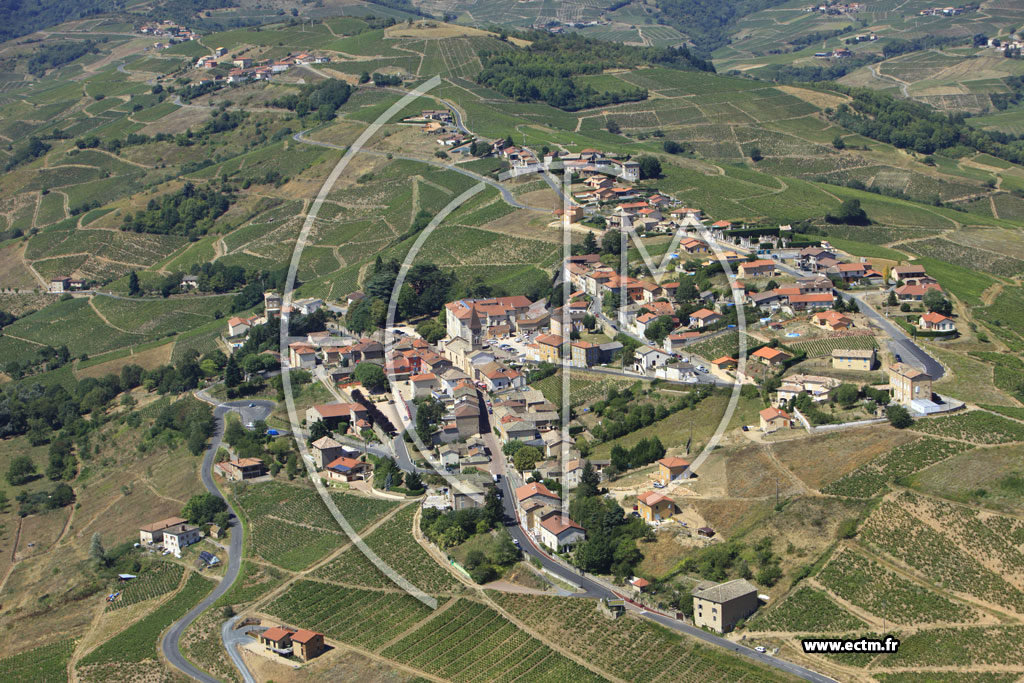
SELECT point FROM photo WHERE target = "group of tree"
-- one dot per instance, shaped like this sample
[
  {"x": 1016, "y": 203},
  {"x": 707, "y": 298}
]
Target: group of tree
[
  {"x": 644, "y": 452},
  {"x": 33, "y": 148},
  {"x": 321, "y": 98},
  {"x": 50, "y": 54},
  {"x": 425, "y": 290},
  {"x": 189, "y": 212},
  {"x": 429, "y": 412},
  {"x": 454, "y": 527},
  {"x": 611, "y": 543},
  {"x": 621, "y": 412},
  {"x": 849, "y": 213},
  {"x": 524, "y": 457},
  {"x": 256, "y": 443},
  {"x": 545, "y": 71}
]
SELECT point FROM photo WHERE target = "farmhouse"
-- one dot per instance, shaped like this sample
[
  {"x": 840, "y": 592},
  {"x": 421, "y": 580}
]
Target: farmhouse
[
  {"x": 301, "y": 355},
  {"x": 238, "y": 327},
  {"x": 242, "y": 469},
  {"x": 325, "y": 449},
  {"x": 703, "y": 318},
  {"x": 648, "y": 358},
  {"x": 720, "y": 607},
  {"x": 308, "y": 644},
  {"x": 180, "y": 536},
  {"x": 853, "y": 359},
  {"x": 907, "y": 293},
  {"x": 277, "y": 639},
  {"x": 154, "y": 533}
]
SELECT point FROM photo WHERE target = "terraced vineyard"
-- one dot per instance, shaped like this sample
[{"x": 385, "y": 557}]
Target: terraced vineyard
[
  {"x": 975, "y": 426},
  {"x": 806, "y": 609},
  {"x": 871, "y": 586},
  {"x": 472, "y": 642},
  {"x": 303, "y": 505},
  {"x": 392, "y": 542},
  {"x": 629, "y": 647},
  {"x": 292, "y": 546},
  {"x": 42, "y": 664},
  {"x": 870, "y": 479},
  {"x": 901, "y": 535},
  {"x": 161, "y": 578}
]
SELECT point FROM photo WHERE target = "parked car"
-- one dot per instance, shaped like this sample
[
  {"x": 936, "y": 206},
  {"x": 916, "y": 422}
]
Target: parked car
[{"x": 761, "y": 649}]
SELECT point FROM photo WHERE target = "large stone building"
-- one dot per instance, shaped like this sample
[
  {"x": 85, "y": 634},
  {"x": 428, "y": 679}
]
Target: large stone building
[
  {"x": 469, "y": 319},
  {"x": 720, "y": 607},
  {"x": 909, "y": 384}
]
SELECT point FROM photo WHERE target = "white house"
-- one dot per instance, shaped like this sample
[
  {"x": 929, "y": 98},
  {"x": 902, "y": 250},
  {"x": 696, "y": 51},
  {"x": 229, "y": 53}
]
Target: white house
[
  {"x": 648, "y": 358},
  {"x": 936, "y": 322},
  {"x": 558, "y": 531}
]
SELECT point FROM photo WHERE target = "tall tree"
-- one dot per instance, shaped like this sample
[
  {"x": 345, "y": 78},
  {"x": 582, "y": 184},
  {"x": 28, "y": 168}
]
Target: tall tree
[
  {"x": 232, "y": 373},
  {"x": 133, "y": 284}
]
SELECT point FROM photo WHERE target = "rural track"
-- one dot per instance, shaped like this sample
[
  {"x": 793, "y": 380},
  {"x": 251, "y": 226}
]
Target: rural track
[{"x": 171, "y": 643}]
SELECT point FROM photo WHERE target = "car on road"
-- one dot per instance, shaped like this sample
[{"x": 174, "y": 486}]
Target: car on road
[
  {"x": 252, "y": 405},
  {"x": 898, "y": 357},
  {"x": 515, "y": 541},
  {"x": 658, "y": 485},
  {"x": 761, "y": 649}
]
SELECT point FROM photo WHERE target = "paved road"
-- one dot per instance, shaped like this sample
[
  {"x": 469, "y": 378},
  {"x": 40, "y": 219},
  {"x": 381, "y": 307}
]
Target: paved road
[
  {"x": 592, "y": 589},
  {"x": 250, "y": 411}
]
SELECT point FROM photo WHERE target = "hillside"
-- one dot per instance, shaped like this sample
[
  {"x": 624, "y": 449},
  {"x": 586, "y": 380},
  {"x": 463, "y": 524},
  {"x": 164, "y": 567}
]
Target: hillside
[{"x": 175, "y": 195}]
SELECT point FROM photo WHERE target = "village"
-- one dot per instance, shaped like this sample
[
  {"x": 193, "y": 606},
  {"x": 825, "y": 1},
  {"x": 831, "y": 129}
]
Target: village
[{"x": 467, "y": 415}]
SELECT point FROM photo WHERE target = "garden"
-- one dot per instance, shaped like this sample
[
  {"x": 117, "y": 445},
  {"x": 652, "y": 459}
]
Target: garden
[{"x": 806, "y": 609}]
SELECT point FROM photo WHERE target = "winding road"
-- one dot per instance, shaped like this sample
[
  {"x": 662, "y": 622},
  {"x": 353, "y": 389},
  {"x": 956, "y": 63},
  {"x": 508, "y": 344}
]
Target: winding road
[{"x": 249, "y": 411}]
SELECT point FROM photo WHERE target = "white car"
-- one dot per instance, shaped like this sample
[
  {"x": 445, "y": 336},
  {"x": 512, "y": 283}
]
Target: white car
[{"x": 761, "y": 649}]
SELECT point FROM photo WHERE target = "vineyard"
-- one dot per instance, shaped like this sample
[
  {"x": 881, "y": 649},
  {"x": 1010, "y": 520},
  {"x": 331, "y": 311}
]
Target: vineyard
[
  {"x": 976, "y": 426},
  {"x": 160, "y": 579},
  {"x": 631, "y": 648},
  {"x": 393, "y": 542},
  {"x": 291, "y": 546},
  {"x": 870, "y": 479},
  {"x": 871, "y": 586},
  {"x": 582, "y": 388},
  {"x": 138, "y": 642},
  {"x": 806, "y": 609},
  {"x": 723, "y": 345},
  {"x": 472, "y": 642},
  {"x": 303, "y": 506},
  {"x": 361, "y": 617},
  {"x": 894, "y": 530},
  {"x": 817, "y": 348},
  {"x": 944, "y": 677},
  {"x": 42, "y": 664},
  {"x": 992, "y": 646}
]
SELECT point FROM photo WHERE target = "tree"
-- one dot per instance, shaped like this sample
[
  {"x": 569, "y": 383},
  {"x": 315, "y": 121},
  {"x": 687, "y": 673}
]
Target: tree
[
  {"x": 413, "y": 481},
  {"x": 20, "y": 471},
  {"x": 526, "y": 457},
  {"x": 318, "y": 430},
  {"x": 846, "y": 395},
  {"x": 133, "y": 284},
  {"x": 505, "y": 551},
  {"x": 849, "y": 213},
  {"x": 493, "y": 512},
  {"x": 589, "y": 481},
  {"x": 222, "y": 519},
  {"x": 96, "y": 552},
  {"x": 611, "y": 242},
  {"x": 892, "y": 300},
  {"x": 612, "y": 127},
  {"x": 203, "y": 507},
  {"x": 838, "y": 143},
  {"x": 589, "y": 243},
  {"x": 232, "y": 373},
  {"x": 755, "y": 154},
  {"x": 370, "y": 376},
  {"x": 650, "y": 167},
  {"x": 935, "y": 302},
  {"x": 898, "y": 416},
  {"x": 672, "y": 147}
]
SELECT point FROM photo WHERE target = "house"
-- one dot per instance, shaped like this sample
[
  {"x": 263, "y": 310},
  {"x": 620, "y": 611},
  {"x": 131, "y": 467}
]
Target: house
[
  {"x": 909, "y": 384},
  {"x": 770, "y": 356},
  {"x": 301, "y": 355},
  {"x": 277, "y": 639},
  {"x": 242, "y": 469},
  {"x": 817, "y": 387},
  {"x": 59, "y": 284},
  {"x": 907, "y": 293},
  {"x": 325, "y": 449},
  {"x": 831, "y": 320},
  {"x": 536, "y": 492},
  {"x": 655, "y": 507},
  {"x": 773, "y": 419},
  {"x": 904, "y": 273},
  {"x": 853, "y": 359},
  {"x": 725, "y": 363},
  {"x": 693, "y": 246},
  {"x": 573, "y": 473},
  {"x": 308, "y": 644},
  {"x": 648, "y": 358},
  {"x": 154, "y": 533},
  {"x": 335, "y": 413},
  {"x": 559, "y": 532},
  {"x": 549, "y": 348},
  {"x": 803, "y": 302},
  {"x": 850, "y": 272},
  {"x": 347, "y": 469},
  {"x": 584, "y": 354},
  {"x": 704, "y": 318},
  {"x": 423, "y": 384},
  {"x": 721, "y": 607},
  {"x": 675, "y": 342},
  {"x": 180, "y": 536},
  {"x": 189, "y": 282},
  {"x": 671, "y": 469},
  {"x": 809, "y": 258},
  {"x": 936, "y": 322},
  {"x": 238, "y": 327},
  {"x": 757, "y": 268},
  {"x": 272, "y": 303}
]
